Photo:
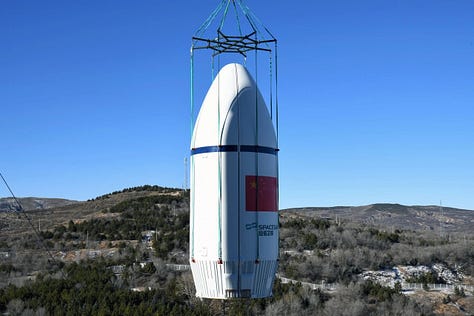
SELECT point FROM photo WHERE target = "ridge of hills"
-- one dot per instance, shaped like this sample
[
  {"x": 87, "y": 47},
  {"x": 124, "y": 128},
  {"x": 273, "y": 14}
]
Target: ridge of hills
[
  {"x": 394, "y": 216},
  {"x": 397, "y": 216},
  {"x": 60, "y": 211},
  {"x": 32, "y": 203}
]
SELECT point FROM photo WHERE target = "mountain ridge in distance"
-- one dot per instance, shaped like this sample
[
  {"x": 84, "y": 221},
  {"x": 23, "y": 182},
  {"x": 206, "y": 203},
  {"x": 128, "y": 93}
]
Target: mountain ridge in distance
[
  {"x": 32, "y": 203},
  {"x": 415, "y": 217},
  {"x": 390, "y": 215}
]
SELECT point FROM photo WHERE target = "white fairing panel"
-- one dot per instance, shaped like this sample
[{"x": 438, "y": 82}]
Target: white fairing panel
[{"x": 234, "y": 191}]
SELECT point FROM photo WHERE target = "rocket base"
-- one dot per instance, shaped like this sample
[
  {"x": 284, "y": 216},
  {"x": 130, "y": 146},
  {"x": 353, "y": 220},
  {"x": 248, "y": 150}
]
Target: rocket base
[{"x": 221, "y": 280}]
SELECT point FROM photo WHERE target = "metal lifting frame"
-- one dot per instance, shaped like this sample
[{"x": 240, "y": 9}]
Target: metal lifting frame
[
  {"x": 241, "y": 43},
  {"x": 233, "y": 44},
  {"x": 257, "y": 40}
]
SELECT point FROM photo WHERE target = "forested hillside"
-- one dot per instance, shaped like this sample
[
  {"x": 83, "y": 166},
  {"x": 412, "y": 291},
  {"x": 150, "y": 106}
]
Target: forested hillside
[{"x": 125, "y": 253}]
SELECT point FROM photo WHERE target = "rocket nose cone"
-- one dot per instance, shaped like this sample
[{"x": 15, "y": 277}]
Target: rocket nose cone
[
  {"x": 232, "y": 112},
  {"x": 236, "y": 75}
]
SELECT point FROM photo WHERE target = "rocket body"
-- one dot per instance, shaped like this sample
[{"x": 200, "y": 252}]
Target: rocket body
[{"x": 234, "y": 191}]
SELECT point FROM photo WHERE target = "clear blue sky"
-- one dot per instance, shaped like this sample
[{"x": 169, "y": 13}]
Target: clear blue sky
[{"x": 376, "y": 98}]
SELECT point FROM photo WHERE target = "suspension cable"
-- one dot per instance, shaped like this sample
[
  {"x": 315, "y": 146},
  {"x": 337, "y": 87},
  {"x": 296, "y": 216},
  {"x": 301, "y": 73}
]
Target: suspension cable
[
  {"x": 219, "y": 164},
  {"x": 271, "y": 85},
  {"x": 276, "y": 95},
  {"x": 257, "y": 154},
  {"x": 192, "y": 158},
  {"x": 209, "y": 20},
  {"x": 237, "y": 18},
  {"x": 224, "y": 16}
]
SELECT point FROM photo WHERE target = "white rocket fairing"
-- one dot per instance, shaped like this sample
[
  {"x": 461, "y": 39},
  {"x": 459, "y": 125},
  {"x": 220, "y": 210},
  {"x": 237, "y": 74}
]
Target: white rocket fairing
[{"x": 234, "y": 191}]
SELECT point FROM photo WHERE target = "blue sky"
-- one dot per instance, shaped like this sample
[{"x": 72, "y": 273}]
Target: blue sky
[{"x": 376, "y": 98}]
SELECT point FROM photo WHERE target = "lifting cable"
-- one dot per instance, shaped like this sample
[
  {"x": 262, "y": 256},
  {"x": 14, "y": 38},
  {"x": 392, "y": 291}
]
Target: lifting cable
[
  {"x": 238, "y": 177},
  {"x": 256, "y": 156},
  {"x": 209, "y": 20},
  {"x": 224, "y": 16},
  {"x": 191, "y": 158},
  {"x": 237, "y": 18},
  {"x": 219, "y": 165}
]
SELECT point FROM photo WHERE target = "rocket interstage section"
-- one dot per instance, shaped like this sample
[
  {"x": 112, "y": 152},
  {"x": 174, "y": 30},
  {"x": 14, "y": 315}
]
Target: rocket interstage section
[{"x": 234, "y": 191}]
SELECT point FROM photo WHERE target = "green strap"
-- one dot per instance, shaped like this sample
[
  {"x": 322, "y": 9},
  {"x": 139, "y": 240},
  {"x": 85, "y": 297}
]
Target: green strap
[
  {"x": 219, "y": 165},
  {"x": 192, "y": 157},
  {"x": 256, "y": 153},
  {"x": 276, "y": 94},
  {"x": 237, "y": 18},
  {"x": 271, "y": 86},
  {"x": 224, "y": 15},
  {"x": 209, "y": 20}
]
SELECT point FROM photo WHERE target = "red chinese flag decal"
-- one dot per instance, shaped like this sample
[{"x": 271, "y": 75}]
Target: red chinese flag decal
[{"x": 261, "y": 194}]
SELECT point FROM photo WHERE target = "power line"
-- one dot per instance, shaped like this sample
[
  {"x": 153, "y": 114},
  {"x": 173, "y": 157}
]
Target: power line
[{"x": 21, "y": 211}]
